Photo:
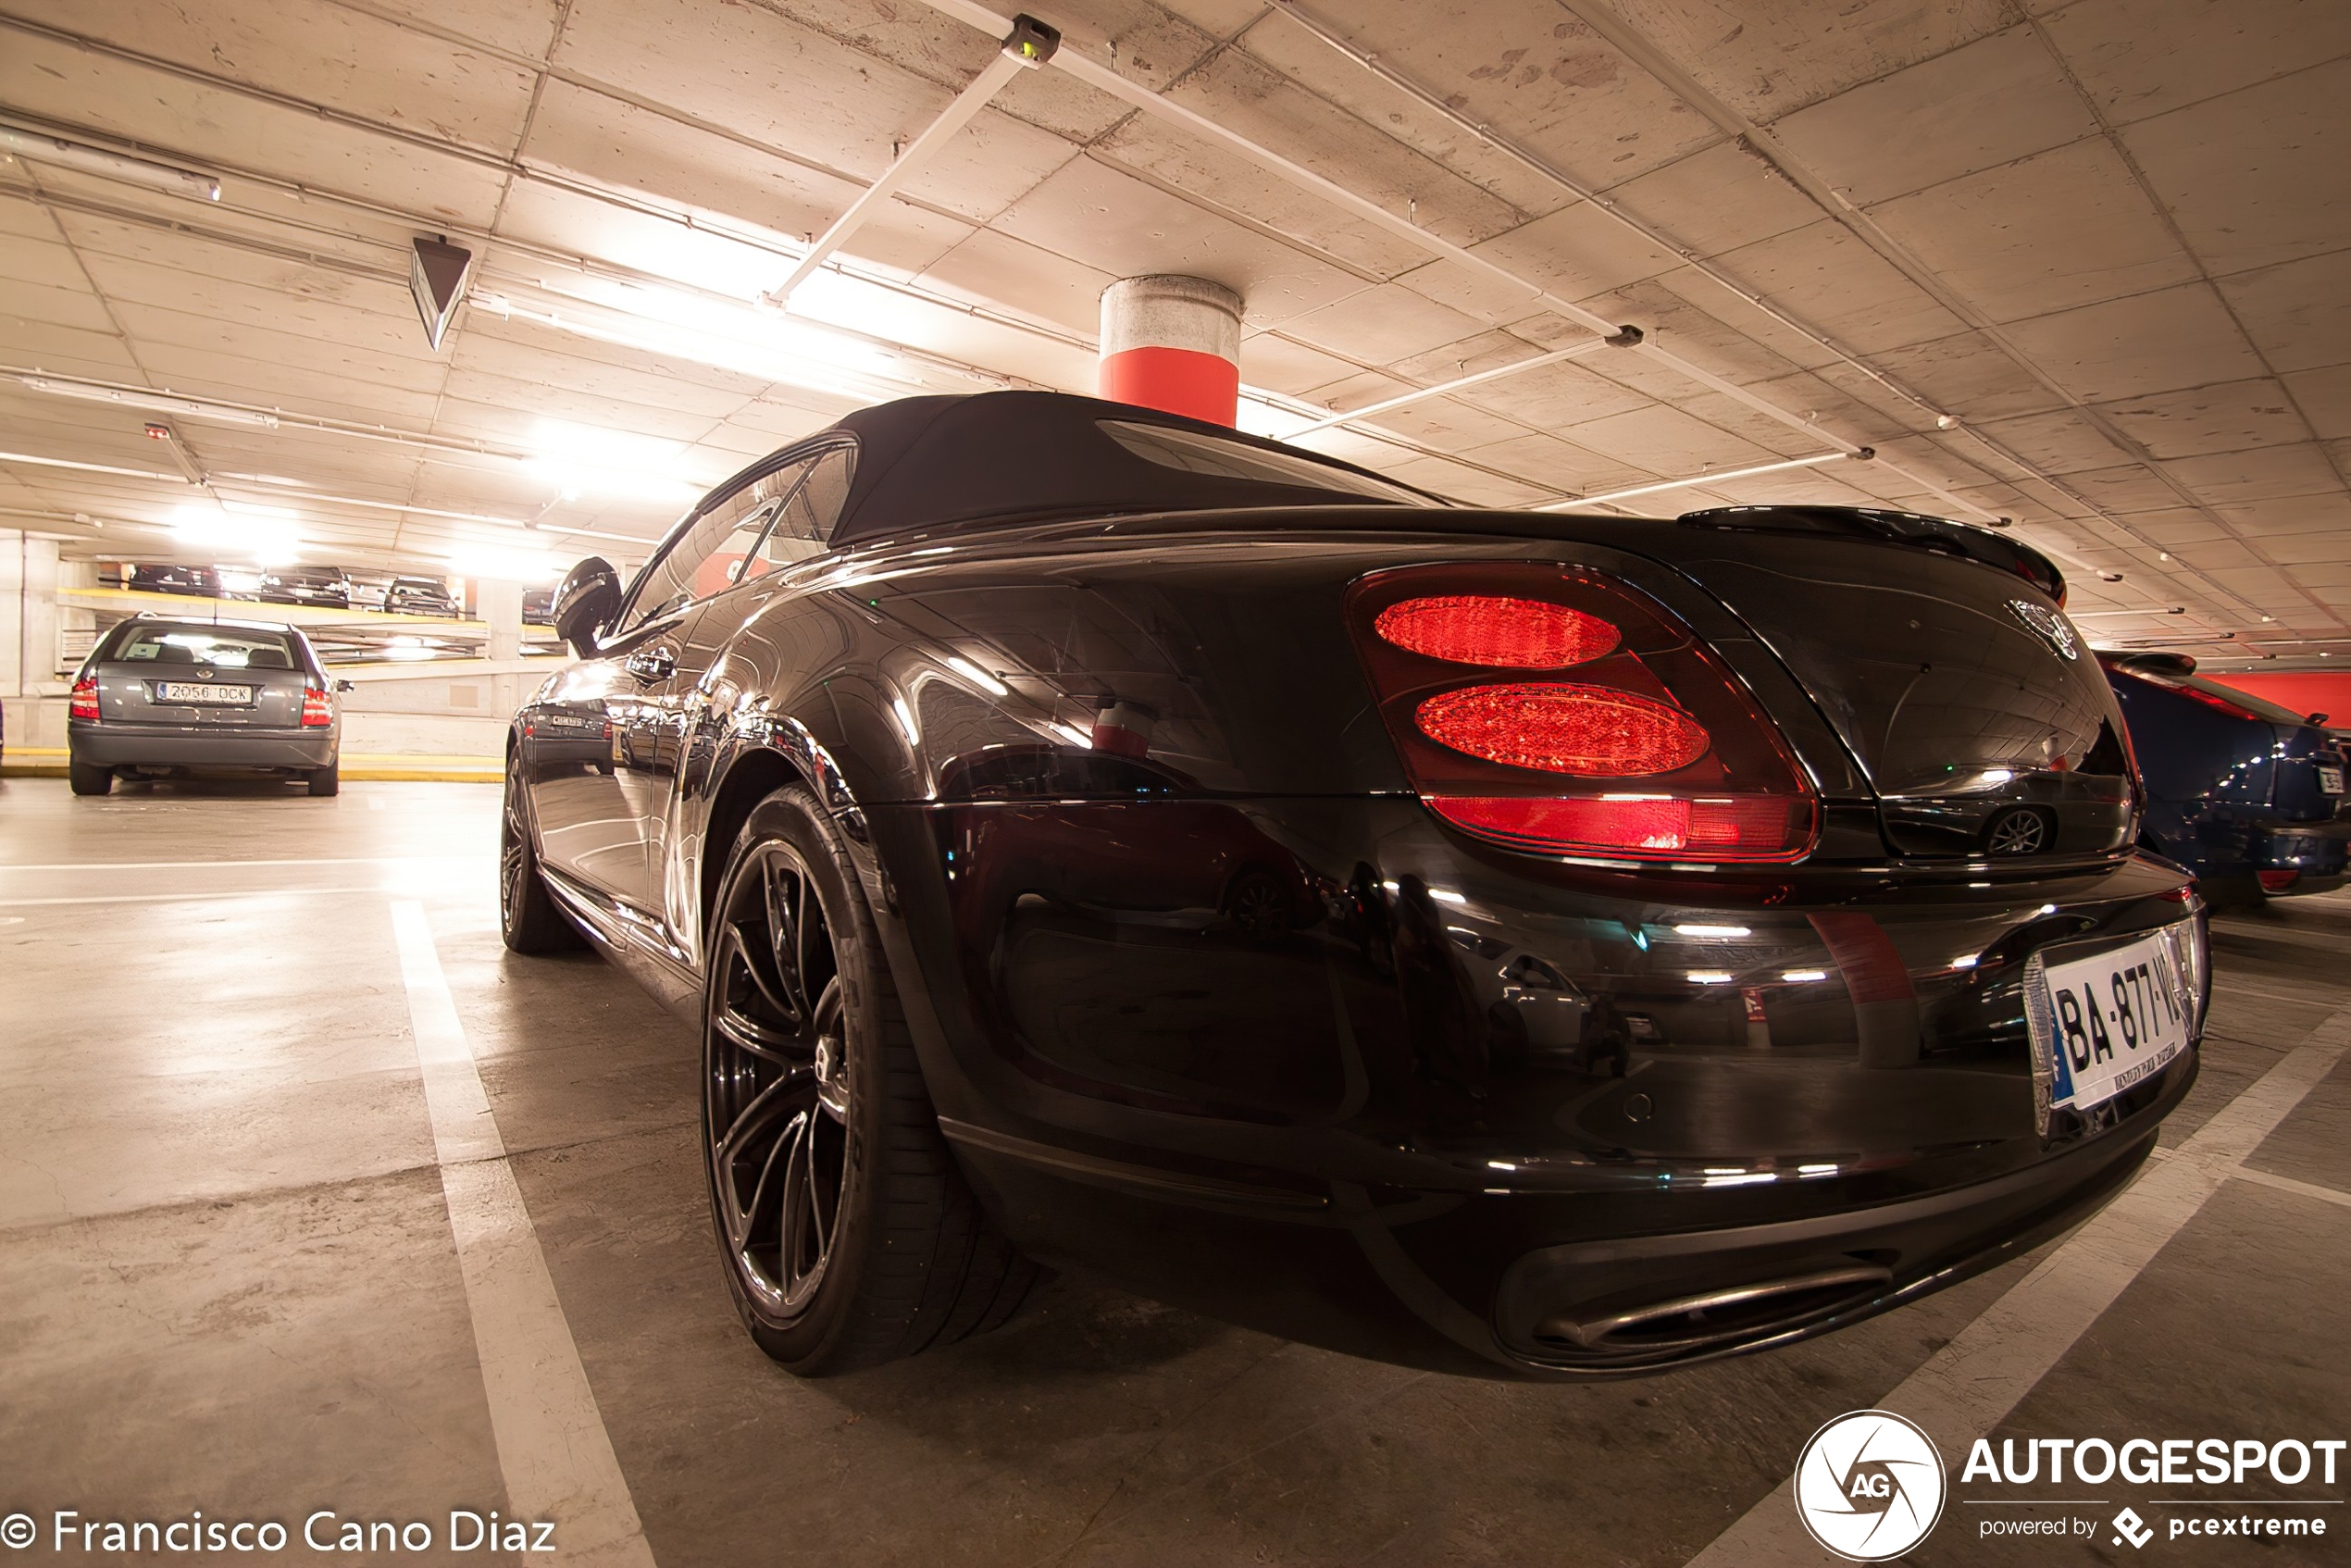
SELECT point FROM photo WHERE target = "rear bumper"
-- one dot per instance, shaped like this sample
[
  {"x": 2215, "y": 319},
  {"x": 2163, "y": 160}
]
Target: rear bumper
[
  {"x": 1320, "y": 1068},
  {"x": 126, "y": 745},
  {"x": 1627, "y": 1306}
]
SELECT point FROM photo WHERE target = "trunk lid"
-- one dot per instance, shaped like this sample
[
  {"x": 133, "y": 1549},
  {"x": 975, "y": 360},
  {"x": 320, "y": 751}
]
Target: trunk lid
[{"x": 1974, "y": 708}]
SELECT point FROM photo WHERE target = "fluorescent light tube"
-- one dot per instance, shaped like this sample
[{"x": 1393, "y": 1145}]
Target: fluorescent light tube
[{"x": 35, "y": 148}]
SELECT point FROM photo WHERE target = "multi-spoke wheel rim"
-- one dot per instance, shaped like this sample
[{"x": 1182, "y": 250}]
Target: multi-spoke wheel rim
[
  {"x": 2018, "y": 834},
  {"x": 776, "y": 1082},
  {"x": 511, "y": 860}
]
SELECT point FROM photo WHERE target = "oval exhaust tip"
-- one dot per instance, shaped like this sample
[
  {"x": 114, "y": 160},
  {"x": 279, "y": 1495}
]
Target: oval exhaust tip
[{"x": 1714, "y": 1314}]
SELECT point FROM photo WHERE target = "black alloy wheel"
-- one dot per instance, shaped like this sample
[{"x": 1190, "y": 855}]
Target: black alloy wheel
[
  {"x": 847, "y": 1233},
  {"x": 778, "y": 1083},
  {"x": 2024, "y": 831},
  {"x": 529, "y": 920}
]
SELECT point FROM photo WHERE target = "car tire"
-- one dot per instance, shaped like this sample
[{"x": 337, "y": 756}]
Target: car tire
[
  {"x": 327, "y": 780},
  {"x": 529, "y": 918},
  {"x": 812, "y": 1099},
  {"x": 85, "y": 779}
]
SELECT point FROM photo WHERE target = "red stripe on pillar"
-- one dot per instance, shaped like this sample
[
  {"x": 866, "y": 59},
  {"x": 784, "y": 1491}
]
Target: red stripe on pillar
[{"x": 1175, "y": 380}]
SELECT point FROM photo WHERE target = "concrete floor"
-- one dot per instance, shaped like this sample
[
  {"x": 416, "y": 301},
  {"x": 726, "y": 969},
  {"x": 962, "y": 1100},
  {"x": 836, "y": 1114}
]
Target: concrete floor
[{"x": 228, "y": 1280}]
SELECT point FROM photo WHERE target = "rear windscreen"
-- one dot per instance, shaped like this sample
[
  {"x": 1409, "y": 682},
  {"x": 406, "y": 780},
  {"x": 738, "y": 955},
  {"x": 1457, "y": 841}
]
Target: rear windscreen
[
  {"x": 1193, "y": 453},
  {"x": 2245, "y": 700},
  {"x": 223, "y": 647}
]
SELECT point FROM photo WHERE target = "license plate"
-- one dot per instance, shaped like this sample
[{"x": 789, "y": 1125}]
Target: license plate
[
  {"x": 2330, "y": 779},
  {"x": 202, "y": 694},
  {"x": 2105, "y": 1022}
]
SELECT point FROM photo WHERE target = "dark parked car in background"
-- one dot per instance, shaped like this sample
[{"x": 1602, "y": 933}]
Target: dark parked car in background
[
  {"x": 2244, "y": 794},
  {"x": 161, "y": 698},
  {"x": 538, "y": 608},
  {"x": 1554, "y": 946},
  {"x": 418, "y": 596},
  {"x": 170, "y": 578},
  {"x": 307, "y": 585}
]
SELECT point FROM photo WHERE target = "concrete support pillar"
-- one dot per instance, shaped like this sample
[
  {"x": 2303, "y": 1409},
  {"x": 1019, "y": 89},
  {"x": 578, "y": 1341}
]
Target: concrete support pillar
[
  {"x": 1173, "y": 344},
  {"x": 500, "y": 606},
  {"x": 30, "y": 685}
]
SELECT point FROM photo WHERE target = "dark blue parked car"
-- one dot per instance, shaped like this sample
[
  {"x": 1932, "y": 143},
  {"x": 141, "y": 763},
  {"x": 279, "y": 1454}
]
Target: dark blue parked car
[{"x": 2241, "y": 792}]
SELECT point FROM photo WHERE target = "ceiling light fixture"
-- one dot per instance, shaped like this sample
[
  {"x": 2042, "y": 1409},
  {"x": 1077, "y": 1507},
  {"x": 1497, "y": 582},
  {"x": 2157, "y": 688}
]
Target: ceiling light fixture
[
  {"x": 265, "y": 540},
  {"x": 162, "y": 401},
  {"x": 34, "y": 147},
  {"x": 583, "y": 459},
  {"x": 733, "y": 346},
  {"x": 504, "y": 566},
  {"x": 92, "y": 467}
]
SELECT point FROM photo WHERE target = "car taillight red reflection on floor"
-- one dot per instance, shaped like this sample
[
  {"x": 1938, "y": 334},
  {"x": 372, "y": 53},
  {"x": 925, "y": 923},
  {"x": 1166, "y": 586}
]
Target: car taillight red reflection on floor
[
  {"x": 1653, "y": 750},
  {"x": 84, "y": 701}
]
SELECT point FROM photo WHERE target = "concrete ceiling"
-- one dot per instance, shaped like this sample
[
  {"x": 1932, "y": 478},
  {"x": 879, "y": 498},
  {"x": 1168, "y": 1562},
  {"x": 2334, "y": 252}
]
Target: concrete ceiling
[{"x": 2086, "y": 266}]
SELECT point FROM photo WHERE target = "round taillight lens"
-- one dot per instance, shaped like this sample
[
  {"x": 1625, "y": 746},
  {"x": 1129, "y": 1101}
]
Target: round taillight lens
[
  {"x": 1594, "y": 731},
  {"x": 1487, "y": 628}
]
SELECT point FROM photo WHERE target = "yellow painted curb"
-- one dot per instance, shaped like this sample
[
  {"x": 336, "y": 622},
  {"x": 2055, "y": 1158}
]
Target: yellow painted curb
[{"x": 379, "y": 768}]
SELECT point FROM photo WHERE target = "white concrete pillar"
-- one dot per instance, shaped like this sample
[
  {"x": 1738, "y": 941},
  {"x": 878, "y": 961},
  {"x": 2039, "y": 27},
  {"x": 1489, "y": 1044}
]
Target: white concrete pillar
[
  {"x": 500, "y": 606},
  {"x": 30, "y": 685},
  {"x": 1173, "y": 344}
]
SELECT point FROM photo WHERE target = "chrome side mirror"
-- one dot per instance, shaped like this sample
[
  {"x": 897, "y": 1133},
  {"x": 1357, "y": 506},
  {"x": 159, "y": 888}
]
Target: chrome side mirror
[{"x": 586, "y": 604}]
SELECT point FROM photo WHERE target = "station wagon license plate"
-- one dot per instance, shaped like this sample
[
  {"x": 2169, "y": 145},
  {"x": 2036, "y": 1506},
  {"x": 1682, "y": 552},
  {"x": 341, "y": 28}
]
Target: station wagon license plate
[
  {"x": 2330, "y": 779},
  {"x": 2103, "y": 1023},
  {"x": 203, "y": 694}
]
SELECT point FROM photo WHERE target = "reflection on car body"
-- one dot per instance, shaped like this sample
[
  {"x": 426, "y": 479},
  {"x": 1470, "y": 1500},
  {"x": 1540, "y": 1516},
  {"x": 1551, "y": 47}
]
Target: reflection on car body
[
  {"x": 1552, "y": 946},
  {"x": 2247, "y": 795}
]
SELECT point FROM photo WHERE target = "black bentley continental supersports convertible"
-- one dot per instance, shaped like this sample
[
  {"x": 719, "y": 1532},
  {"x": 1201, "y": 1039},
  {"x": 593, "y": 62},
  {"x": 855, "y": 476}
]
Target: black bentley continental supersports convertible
[{"x": 1538, "y": 945}]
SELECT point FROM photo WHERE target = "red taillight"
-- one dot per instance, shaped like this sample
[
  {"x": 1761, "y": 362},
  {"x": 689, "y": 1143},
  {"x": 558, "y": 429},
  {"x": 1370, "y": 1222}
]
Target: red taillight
[
  {"x": 1655, "y": 751},
  {"x": 83, "y": 703},
  {"x": 1503, "y": 633},
  {"x": 1592, "y": 732},
  {"x": 2278, "y": 881},
  {"x": 317, "y": 711},
  {"x": 2214, "y": 700},
  {"x": 1727, "y": 828}
]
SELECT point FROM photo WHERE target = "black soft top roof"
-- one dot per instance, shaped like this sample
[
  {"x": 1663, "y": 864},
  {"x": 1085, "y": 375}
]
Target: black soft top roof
[{"x": 941, "y": 462}]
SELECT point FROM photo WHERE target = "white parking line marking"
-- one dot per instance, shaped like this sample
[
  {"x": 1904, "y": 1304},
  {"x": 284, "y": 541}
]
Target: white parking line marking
[
  {"x": 1967, "y": 1386},
  {"x": 2222, "y": 982},
  {"x": 553, "y": 1447},
  {"x": 2287, "y": 1184}
]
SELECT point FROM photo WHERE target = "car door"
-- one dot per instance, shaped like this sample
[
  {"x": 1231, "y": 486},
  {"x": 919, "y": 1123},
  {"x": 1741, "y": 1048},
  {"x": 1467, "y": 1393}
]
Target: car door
[
  {"x": 596, "y": 746},
  {"x": 794, "y": 505},
  {"x": 586, "y": 794}
]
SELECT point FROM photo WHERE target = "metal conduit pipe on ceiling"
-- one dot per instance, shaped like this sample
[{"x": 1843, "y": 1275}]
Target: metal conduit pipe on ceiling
[
  {"x": 1109, "y": 82},
  {"x": 591, "y": 191},
  {"x": 1099, "y": 76}
]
